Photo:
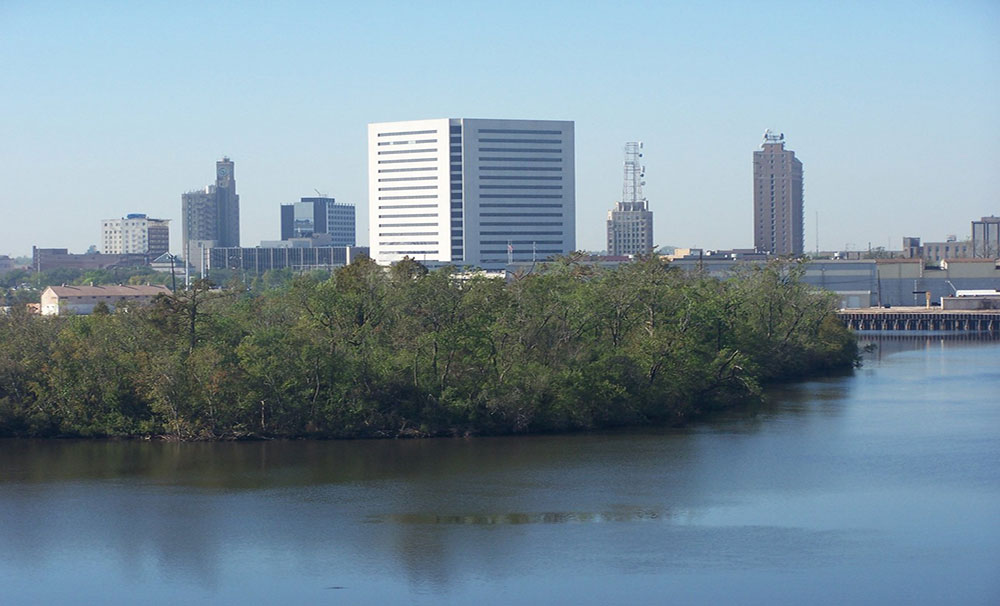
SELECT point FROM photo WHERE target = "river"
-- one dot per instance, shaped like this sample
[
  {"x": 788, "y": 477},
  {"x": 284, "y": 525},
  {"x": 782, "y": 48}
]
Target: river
[{"x": 882, "y": 486}]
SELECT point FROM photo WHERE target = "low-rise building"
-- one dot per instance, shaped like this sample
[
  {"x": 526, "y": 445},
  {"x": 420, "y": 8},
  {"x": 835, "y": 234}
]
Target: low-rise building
[
  {"x": 81, "y": 300},
  {"x": 43, "y": 259},
  {"x": 935, "y": 252},
  {"x": 255, "y": 261}
]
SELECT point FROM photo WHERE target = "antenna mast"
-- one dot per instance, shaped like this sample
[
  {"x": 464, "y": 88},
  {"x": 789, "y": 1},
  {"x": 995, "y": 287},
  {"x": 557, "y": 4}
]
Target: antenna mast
[{"x": 632, "y": 198}]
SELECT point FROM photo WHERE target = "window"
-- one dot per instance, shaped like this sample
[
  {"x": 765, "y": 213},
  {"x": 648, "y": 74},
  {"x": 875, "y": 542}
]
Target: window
[
  {"x": 408, "y": 132},
  {"x": 503, "y": 131}
]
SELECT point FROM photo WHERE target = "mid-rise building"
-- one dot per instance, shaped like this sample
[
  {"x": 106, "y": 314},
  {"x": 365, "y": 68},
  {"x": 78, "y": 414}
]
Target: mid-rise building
[
  {"x": 986, "y": 237},
  {"x": 777, "y": 198},
  {"x": 316, "y": 216},
  {"x": 211, "y": 217},
  {"x": 471, "y": 191},
  {"x": 135, "y": 234},
  {"x": 630, "y": 222},
  {"x": 935, "y": 252}
]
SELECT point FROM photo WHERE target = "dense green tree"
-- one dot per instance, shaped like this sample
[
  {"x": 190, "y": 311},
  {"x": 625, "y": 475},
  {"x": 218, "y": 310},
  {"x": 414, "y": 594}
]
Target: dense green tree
[{"x": 371, "y": 351}]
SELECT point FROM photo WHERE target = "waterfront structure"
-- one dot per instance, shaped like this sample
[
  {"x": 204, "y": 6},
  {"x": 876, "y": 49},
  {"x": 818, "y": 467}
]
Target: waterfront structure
[
  {"x": 257, "y": 260},
  {"x": 473, "y": 192},
  {"x": 630, "y": 222},
  {"x": 321, "y": 215},
  {"x": 872, "y": 282},
  {"x": 81, "y": 300},
  {"x": 777, "y": 198},
  {"x": 986, "y": 237},
  {"x": 135, "y": 234},
  {"x": 211, "y": 217}
]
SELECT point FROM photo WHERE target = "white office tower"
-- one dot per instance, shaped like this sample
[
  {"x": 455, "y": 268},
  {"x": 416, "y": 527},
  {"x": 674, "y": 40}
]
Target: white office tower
[{"x": 471, "y": 192}]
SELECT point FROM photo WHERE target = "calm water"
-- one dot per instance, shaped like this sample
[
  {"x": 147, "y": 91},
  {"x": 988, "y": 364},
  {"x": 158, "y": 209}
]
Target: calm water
[{"x": 879, "y": 487}]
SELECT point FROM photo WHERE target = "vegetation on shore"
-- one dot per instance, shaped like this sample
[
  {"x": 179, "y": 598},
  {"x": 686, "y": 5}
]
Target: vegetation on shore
[{"x": 370, "y": 352}]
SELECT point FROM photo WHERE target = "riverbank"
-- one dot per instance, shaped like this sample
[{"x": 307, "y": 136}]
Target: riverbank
[{"x": 411, "y": 353}]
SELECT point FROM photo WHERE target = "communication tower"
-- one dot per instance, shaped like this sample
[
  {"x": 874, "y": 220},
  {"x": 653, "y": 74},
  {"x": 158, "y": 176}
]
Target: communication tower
[
  {"x": 635, "y": 172},
  {"x": 630, "y": 223}
]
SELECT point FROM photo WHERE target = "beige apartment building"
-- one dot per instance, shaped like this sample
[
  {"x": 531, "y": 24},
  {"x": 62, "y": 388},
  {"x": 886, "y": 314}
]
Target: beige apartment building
[{"x": 777, "y": 198}]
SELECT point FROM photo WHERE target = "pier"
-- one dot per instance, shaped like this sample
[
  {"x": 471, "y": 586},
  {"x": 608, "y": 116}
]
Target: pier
[{"x": 920, "y": 318}]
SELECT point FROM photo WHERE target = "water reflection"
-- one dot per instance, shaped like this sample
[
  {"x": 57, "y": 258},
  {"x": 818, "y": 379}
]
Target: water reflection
[
  {"x": 563, "y": 517},
  {"x": 881, "y": 343},
  {"x": 888, "y": 475}
]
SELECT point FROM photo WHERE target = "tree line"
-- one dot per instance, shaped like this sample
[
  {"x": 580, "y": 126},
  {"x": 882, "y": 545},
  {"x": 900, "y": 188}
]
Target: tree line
[{"x": 371, "y": 352}]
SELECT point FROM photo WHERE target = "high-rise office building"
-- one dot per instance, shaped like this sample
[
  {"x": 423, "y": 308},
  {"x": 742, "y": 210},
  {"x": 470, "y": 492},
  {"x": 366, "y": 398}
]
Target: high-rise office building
[
  {"x": 135, "y": 234},
  {"x": 986, "y": 237},
  {"x": 211, "y": 217},
  {"x": 316, "y": 216},
  {"x": 630, "y": 222},
  {"x": 777, "y": 198},
  {"x": 471, "y": 191}
]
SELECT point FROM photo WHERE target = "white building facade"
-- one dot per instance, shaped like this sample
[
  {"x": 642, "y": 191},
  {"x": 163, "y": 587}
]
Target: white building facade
[
  {"x": 471, "y": 191},
  {"x": 135, "y": 234}
]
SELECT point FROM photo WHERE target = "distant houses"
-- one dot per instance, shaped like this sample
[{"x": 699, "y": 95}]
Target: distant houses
[{"x": 81, "y": 300}]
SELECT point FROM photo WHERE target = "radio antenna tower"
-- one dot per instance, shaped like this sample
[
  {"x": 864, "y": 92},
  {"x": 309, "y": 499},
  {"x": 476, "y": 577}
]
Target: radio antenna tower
[
  {"x": 635, "y": 172},
  {"x": 630, "y": 224}
]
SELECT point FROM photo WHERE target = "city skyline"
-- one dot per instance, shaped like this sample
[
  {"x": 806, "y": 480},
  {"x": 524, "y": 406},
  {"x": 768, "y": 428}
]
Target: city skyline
[{"x": 872, "y": 99}]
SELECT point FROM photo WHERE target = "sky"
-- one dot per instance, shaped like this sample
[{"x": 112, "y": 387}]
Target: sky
[{"x": 110, "y": 108}]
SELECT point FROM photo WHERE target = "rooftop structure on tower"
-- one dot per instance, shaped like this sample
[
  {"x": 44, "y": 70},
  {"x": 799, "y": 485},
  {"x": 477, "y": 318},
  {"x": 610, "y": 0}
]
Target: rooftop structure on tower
[{"x": 630, "y": 222}]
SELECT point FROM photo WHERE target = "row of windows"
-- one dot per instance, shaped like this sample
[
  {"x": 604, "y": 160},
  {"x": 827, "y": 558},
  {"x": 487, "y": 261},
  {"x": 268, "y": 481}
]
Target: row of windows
[
  {"x": 484, "y": 159},
  {"x": 519, "y": 178},
  {"x": 407, "y": 216},
  {"x": 392, "y": 179},
  {"x": 520, "y": 206},
  {"x": 520, "y": 214},
  {"x": 555, "y": 141},
  {"x": 523, "y": 168},
  {"x": 520, "y": 223},
  {"x": 412, "y": 169},
  {"x": 413, "y": 252},
  {"x": 408, "y": 188},
  {"x": 408, "y": 151},
  {"x": 408, "y": 132},
  {"x": 528, "y": 150},
  {"x": 407, "y": 160},
  {"x": 519, "y": 187},
  {"x": 430, "y": 197},
  {"x": 407, "y": 243},
  {"x": 512, "y": 242},
  {"x": 415, "y": 233},
  {"x": 518, "y": 252},
  {"x": 520, "y": 233},
  {"x": 408, "y": 224},
  {"x": 417, "y": 142},
  {"x": 401, "y": 206},
  {"x": 504, "y": 131},
  {"x": 521, "y": 196}
]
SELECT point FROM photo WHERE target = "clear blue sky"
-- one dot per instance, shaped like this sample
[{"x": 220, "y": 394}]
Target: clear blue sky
[{"x": 108, "y": 108}]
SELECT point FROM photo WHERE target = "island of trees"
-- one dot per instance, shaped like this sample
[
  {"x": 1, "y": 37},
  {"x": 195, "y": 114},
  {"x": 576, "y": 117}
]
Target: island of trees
[{"x": 370, "y": 352}]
